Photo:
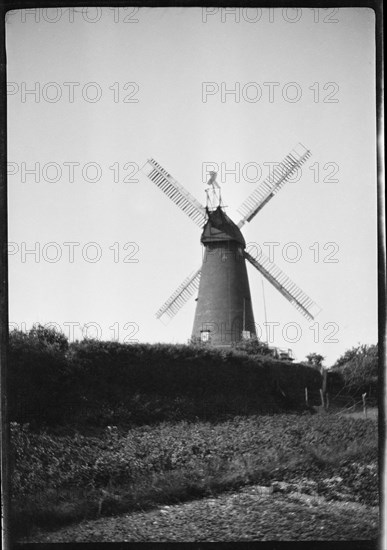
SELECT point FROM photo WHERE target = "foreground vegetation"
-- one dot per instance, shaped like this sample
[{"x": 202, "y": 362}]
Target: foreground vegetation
[
  {"x": 62, "y": 479},
  {"x": 101, "y": 428},
  {"x": 356, "y": 372}
]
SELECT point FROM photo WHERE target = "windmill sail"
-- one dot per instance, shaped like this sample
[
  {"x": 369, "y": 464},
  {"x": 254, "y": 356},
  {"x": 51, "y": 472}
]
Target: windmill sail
[
  {"x": 285, "y": 285},
  {"x": 181, "y": 295},
  {"x": 273, "y": 183},
  {"x": 176, "y": 192}
]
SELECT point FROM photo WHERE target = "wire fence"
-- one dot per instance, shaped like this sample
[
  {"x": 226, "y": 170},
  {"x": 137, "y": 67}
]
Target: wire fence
[{"x": 338, "y": 404}]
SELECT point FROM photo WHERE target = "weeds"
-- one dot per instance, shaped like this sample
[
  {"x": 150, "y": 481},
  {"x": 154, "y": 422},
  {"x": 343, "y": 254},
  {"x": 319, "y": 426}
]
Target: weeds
[
  {"x": 331, "y": 456},
  {"x": 63, "y": 479}
]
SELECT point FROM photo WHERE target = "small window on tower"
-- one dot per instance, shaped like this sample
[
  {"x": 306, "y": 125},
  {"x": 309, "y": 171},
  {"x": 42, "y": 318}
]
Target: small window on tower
[
  {"x": 246, "y": 335},
  {"x": 205, "y": 335}
]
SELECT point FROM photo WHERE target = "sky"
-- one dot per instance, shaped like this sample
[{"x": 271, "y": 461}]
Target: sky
[{"x": 94, "y": 92}]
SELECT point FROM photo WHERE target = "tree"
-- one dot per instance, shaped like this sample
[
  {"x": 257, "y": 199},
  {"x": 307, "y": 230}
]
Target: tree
[
  {"x": 359, "y": 369},
  {"x": 253, "y": 346},
  {"x": 315, "y": 360},
  {"x": 48, "y": 338}
]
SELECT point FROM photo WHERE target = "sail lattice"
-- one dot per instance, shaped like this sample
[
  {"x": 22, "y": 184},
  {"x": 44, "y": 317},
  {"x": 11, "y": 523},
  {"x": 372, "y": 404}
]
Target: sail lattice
[
  {"x": 176, "y": 192},
  {"x": 181, "y": 295},
  {"x": 285, "y": 285},
  {"x": 273, "y": 183}
]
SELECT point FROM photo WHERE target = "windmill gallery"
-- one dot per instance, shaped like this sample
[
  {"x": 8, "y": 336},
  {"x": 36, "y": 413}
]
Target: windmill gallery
[{"x": 224, "y": 313}]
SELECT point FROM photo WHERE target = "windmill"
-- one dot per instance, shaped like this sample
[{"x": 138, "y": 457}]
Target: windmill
[{"x": 224, "y": 312}]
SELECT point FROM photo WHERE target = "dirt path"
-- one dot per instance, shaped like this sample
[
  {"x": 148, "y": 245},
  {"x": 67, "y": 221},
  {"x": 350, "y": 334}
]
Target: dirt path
[{"x": 252, "y": 514}]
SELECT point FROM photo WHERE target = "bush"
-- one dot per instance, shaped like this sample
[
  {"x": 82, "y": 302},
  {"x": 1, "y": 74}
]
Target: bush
[
  {"x": 38, "y": 374},
  {"x": 97, "y": 383},
  {"x": 253, "y": 346}
]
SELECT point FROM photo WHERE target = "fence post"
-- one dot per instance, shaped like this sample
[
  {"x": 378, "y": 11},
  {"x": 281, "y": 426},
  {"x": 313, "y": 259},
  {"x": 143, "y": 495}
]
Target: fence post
[
  {"x": 306, "y": 397},
  {"x": 327, "y": 401},
  {"x": 322, "y": 397},
  {"x": 324, "y": 380},
  {"x": 364, "y": 395}
]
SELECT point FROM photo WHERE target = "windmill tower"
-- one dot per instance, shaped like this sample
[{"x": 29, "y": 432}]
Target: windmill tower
[{"x": 224, "y": 313}]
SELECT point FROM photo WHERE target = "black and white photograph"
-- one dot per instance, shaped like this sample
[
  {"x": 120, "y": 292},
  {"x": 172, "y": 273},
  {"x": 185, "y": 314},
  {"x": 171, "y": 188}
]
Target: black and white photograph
[{"x": 193, "y": 245}]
